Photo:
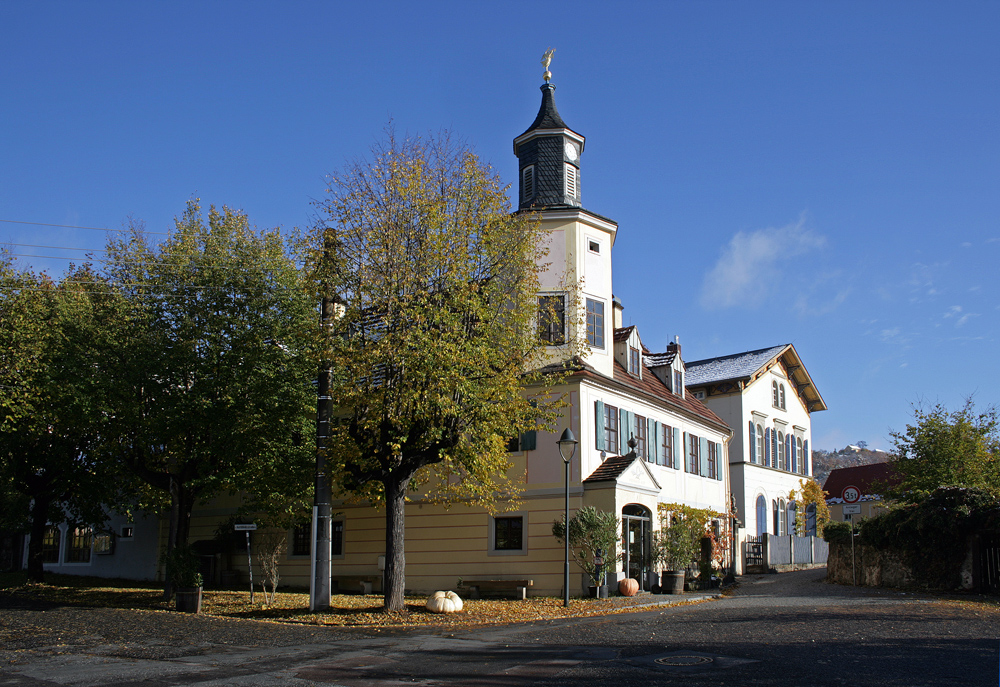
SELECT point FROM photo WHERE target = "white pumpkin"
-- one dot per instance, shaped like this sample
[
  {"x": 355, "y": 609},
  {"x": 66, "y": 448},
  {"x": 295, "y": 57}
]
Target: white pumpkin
[{"x": 444, "y": 602}]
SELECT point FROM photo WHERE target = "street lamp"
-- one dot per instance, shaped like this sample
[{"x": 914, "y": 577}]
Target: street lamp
[{"x": 567, "y": 445}]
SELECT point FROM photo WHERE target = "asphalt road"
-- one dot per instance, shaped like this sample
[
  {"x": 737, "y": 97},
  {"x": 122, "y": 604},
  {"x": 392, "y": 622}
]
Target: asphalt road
[{"x": 789, "y": 629}]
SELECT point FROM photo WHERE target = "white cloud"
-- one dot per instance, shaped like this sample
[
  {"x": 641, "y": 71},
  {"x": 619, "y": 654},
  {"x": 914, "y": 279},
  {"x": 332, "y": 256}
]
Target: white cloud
[
  {"x": 889, "y": 335},
  {"x": 749, "y": 268},
  {"x": 966, "y": 244}
]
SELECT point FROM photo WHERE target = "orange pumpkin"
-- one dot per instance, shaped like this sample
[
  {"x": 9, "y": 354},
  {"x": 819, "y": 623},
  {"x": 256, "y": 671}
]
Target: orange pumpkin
[{"x": 628, "y": 587}]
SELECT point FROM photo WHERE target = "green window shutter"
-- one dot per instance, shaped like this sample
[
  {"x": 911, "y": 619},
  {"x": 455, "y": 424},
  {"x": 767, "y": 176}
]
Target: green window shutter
[
  {"x": 720, "y": 462},
  {"x": 658, "y": 443},
  {"x": 651, "y": 448},
  {"x": 623, "y": 430},
  {"x": 599, "y": 424},
  {"x": 678, "y": 449},
  {"x": 684, "y": 452},
  {"x": 528, "y": 440},
  {"x": 703, "y": 455}
]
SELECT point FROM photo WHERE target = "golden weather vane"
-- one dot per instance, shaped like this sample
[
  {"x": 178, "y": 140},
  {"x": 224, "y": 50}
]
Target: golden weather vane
[{"x": 546, "y": 61}]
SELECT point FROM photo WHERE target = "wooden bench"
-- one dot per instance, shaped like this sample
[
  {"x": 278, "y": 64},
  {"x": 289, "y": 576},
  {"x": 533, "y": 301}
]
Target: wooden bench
[
  {"x": 477, "y": 587},
  {"x": 360, "y": 584}
]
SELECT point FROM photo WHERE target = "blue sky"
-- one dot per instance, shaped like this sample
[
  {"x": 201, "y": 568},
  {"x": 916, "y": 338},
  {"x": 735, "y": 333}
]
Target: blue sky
[{"x": 825, "y": 174}]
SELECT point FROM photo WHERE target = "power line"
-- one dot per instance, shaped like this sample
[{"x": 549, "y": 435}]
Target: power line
[{"x": 73, "y": 226}]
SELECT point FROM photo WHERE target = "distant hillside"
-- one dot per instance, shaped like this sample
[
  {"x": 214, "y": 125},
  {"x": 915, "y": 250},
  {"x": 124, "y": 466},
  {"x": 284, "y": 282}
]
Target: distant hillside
[{"x": 849, "y": 456}]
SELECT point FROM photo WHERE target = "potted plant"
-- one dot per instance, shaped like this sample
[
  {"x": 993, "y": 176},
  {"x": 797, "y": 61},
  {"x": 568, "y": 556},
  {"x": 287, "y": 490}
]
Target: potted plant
[
  {"x": 593, "y": 539},
  {"x": 677, "y": 545},
  {"x": 184, "y": 571}
]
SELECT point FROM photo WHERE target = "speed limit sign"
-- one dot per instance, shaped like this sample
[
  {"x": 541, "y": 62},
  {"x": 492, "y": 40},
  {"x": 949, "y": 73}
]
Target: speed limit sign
[{"x": 851, "y": 494}]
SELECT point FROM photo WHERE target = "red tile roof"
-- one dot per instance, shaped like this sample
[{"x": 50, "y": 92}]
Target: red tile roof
[
  {"x": 612, "y": 468},
  {"x": 649, "y": 385},
  {"x": 865, "y": 477}
]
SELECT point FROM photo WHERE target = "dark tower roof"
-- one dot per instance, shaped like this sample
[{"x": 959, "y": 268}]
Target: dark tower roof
[
  {"x": 548, "y": 155},
  {"x": 548, "y": 116}
]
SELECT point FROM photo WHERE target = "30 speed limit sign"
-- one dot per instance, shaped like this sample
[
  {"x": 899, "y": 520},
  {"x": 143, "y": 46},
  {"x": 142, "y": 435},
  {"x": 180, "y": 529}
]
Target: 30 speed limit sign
[{"x": 851, "y": 494}]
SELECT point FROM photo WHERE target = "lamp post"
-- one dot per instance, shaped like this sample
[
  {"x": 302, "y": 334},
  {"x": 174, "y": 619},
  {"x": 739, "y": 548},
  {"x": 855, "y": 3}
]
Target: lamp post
[{"x": 567, "y": 444}]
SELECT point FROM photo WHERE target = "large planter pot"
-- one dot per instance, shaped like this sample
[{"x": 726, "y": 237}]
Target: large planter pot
[
  {"x": 188, "y": 599},
  {"x": 600, "y": 592},
  {"x": 672, "y": 582}
]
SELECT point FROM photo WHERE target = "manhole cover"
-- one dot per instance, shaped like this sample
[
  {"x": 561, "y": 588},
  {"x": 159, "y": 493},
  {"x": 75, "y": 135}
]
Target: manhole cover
[{"x": 683, "y": 660}]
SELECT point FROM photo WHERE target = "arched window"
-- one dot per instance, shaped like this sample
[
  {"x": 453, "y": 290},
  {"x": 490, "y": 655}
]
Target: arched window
[
  {"x": 793, "y": 451},
  {"x": 774, "y": 393},
  {"x": 781, "y": 396},
  {"x": 760, "y": 444},
  {"x": 782, "y": 515},
  {"x": 761, "y": 515},
  {"x": 801, "y": 455},
  {"x": 792, "y": 526},
  {"x": 780, "y": 461}
]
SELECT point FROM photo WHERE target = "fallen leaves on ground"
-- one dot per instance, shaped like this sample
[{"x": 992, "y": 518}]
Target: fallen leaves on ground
[{"x": 293, "y": 607}]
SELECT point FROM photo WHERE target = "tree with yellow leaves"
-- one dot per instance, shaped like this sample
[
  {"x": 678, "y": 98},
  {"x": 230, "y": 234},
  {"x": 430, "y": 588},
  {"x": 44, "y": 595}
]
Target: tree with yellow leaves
[
  {"x": 811, "y": 494},
  {"x": 435, "y": 283}
]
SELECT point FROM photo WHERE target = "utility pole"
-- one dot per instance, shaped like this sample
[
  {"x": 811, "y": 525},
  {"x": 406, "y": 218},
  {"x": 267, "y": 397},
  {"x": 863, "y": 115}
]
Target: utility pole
[{"x": 320, "y": 584}]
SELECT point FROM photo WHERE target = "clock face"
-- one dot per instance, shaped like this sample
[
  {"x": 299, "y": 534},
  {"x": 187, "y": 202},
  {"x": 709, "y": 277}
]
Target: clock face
[{"x": 572, "y": 153}]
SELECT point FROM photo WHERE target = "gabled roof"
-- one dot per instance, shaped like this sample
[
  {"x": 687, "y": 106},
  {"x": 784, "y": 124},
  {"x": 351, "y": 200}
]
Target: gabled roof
[
  {"x": 730, "y": 367},
  {"x": 747, "y": 366},
  {"x": 659, "y": 359},
  {"x": 623, "y": 333},
  {"x": 866, "y": 478},
  {"x": 613, "y": 469}
]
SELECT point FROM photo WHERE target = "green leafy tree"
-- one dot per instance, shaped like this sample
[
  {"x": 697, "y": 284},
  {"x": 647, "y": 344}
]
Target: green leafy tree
[
  {"x": 212, "y": 366},
  {"x": 51, "y": 401},
  {"x": 590, "y": 531},
  {"x": 436, "y": 284},
  {"x": 946, "y": 448}
]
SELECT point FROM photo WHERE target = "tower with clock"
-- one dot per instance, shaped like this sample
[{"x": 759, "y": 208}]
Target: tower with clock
[{"x": 579, "y": 241}]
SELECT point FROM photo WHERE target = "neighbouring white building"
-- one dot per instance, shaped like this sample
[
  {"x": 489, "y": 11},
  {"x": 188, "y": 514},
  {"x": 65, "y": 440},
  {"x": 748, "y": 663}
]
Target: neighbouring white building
[{"x": 768, "y": 398}]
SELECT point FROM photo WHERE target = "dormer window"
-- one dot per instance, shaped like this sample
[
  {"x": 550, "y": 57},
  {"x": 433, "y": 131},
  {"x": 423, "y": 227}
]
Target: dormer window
[
  {"x": 678, "y": 383},
  {"x": 633, "y": 361},
  {"x": 528, "y": 183}
]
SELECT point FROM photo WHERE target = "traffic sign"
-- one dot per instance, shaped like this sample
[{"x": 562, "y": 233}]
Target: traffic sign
[
  {"x": 244, "y": 528},
  {"x": 852, "y": 509},
  {"x": 851, "y": 494}
]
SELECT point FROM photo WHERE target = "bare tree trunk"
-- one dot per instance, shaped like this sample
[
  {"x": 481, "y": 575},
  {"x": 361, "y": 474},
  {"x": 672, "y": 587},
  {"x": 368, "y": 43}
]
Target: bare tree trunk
[
  {"x": 395, "y": 559},
  {"x": 39, "y": 521}
]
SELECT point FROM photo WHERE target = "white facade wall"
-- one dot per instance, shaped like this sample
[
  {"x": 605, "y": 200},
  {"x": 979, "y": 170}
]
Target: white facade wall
[{"x": 750, "y": 480}]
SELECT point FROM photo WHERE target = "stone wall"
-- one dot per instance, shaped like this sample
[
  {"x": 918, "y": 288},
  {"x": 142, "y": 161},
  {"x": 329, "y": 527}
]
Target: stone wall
[{"x": 883, "y": 568}]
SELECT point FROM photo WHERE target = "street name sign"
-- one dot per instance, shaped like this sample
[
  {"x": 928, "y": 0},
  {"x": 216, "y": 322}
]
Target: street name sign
[
  {"x": 852, "y": 509},
  {"x": 245, "y": 528}
]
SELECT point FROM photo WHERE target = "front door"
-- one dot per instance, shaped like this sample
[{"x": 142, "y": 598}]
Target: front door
[{"x": 636, "y": 543}]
